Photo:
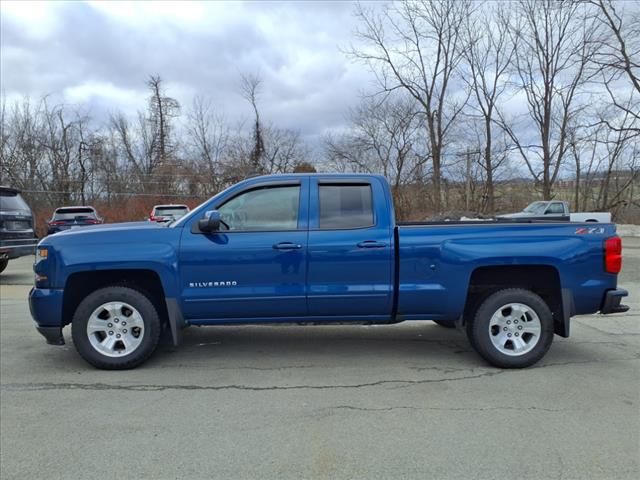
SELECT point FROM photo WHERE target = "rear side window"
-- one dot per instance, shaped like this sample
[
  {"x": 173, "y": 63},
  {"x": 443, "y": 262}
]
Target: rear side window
[
  {"x": 12, "y": 202},
  {"x": 346, "y": 206}
]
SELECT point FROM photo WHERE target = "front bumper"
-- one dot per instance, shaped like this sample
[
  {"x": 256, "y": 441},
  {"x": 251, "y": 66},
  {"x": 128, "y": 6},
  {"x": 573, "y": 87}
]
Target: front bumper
[
  {"x": 17, "y": 248},
  {"x": 612, "y": 299},
  {"x": 53, "y": 335},
  {"x": 46, "y": 309}
]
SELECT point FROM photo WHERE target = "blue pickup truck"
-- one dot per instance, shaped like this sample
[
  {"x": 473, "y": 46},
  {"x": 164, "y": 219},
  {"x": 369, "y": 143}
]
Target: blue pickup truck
[{"x": 321, "y": 249}]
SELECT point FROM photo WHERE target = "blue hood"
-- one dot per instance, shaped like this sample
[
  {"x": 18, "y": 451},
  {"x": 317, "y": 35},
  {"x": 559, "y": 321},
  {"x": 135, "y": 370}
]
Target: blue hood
[{"x": 113, "y": 233}]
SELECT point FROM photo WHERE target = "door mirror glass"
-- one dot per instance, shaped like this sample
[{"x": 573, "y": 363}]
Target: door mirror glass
[{"x": 210, "y": 222}]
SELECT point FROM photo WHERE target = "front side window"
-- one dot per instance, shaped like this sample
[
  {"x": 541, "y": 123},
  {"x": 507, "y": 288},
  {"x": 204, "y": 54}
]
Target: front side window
[
  {"x": 346, "y": 206},
  {"x": 266, "y": 209}
]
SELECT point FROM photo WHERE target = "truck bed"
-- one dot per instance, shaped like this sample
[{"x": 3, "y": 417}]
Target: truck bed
[{"x": 436, "y": 261}]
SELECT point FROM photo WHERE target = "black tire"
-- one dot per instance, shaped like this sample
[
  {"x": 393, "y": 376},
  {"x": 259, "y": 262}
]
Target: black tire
[
  {"x": 136, "y": 299},
  {"x": 3, "y": 264},
  {"x": 480, "y": 336},
  {"x": 445, "y": 324}
]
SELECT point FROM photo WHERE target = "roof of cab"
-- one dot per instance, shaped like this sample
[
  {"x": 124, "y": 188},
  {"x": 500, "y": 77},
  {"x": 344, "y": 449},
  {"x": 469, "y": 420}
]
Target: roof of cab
[{"x": 285, "y": 176}]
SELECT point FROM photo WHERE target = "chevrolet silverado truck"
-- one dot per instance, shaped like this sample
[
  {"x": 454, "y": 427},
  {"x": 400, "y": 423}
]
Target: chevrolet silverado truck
[{"x": 321, "y": 249}]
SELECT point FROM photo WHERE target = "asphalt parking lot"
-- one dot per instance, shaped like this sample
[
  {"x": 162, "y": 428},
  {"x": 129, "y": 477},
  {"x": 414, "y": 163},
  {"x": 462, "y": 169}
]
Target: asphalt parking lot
[{"x": 405, "y": 401}]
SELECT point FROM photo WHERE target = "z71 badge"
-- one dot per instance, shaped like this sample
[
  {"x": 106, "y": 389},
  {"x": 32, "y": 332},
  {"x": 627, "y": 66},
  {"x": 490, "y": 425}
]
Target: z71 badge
[
  {"x": 223, "y": 283},
  {"x": 589, "y": 230}
]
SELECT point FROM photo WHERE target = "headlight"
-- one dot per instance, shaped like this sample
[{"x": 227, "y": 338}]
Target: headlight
[
  {"x": 41, "y": 267},
  {"x": 42, "y": 254}
]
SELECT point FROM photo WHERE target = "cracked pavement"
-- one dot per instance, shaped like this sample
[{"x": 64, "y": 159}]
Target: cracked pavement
[{"x": 402, "y": 401}]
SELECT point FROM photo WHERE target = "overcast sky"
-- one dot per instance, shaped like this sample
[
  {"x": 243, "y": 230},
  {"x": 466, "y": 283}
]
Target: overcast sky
[{"x": 100, "y": 54}]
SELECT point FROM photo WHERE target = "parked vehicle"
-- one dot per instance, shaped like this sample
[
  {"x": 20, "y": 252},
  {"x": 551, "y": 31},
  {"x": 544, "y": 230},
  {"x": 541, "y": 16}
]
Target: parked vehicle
[
  {"x": 65, "y": 218},
  {"x": 17, "y": 237},
  {"x": 167, "y": 213},
  {"x": 321, "y": 249},
  {"x": 559, "y": 211}
]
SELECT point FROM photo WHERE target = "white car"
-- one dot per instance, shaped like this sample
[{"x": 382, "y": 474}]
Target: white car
[
  {"x": 167, "y": 213},
  {"x": 557, "y": 210}
]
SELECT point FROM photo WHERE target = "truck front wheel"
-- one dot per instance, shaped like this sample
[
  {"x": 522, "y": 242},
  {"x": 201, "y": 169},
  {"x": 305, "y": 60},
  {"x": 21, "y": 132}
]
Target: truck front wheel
[
  {"x": 116, "y": 328},
  {"x": 512, "y": 328}
]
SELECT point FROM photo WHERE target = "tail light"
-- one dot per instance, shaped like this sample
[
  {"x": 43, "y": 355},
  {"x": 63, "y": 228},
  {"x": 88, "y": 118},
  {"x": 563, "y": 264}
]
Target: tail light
[
  {"x": 91, "y": 221},
  {"x": 613, "y": 255},
  {"x": 53, "y": 224}
]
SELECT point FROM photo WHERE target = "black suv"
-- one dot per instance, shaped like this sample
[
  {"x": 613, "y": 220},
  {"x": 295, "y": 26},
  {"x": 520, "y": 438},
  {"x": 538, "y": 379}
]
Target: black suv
[{"x": 17, "y": 237}]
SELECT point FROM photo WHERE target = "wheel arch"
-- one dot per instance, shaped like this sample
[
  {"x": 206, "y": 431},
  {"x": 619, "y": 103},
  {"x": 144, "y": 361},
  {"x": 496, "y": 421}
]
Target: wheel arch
[
  {"x": 81, "y": 284},
  {"x": 544, "y": 280}
]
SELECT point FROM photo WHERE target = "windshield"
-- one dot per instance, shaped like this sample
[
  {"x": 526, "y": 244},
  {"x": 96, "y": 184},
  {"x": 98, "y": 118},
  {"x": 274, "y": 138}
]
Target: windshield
[
  {"x": 12, "y": 202},
  {"x": 536, "y": 207}
]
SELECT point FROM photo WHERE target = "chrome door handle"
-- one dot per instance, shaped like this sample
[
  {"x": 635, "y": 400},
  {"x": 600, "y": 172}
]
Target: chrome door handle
[
  {"x": 287, "y": 246},
  {"x": 371, "y": 244}
]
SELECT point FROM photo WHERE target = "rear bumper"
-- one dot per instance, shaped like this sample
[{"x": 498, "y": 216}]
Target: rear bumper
[
  {"x": 17, "y": 248},
  {"x": 611, "y": 302}
]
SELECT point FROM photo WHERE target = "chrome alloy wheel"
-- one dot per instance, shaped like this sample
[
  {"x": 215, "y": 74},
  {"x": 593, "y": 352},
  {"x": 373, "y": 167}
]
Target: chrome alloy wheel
[
  {"x": 115, "y": 329},
  {"x": 515, "y": 329}
]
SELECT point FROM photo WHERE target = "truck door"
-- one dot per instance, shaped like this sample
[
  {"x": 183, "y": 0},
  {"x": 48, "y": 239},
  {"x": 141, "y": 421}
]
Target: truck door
[
  {"x": 255, "y": 267},
  {"x": 350, "y": 250}
]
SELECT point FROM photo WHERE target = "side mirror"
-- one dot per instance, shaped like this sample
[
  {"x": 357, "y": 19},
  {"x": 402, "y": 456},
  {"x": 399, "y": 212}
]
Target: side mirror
[{"x": 210, "y": 222}]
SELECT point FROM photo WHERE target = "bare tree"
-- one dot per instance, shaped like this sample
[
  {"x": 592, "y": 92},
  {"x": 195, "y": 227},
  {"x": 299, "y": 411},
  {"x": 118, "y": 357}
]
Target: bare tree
[
  {"x": 135, "y": 143},
  {"x": 250, "y": 90},
  {"x": 162, "y": 109},
  {"x": 22, "y": 150},
  {"x": 383, "y": 138},
  {"x": 208, "y": 137},
  {"x": 283, "y": 150},
  {"x": 619, "y": 58},
  {"x": 554, "y": 48},
  {"x": 416, "y": 46},
  {"x": 488, "y": 55}
]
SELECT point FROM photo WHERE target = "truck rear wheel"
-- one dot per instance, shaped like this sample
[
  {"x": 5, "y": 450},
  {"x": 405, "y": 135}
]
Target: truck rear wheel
[
  {"x": 512, "y": 328},
  {"x": 116, "y": 328}
]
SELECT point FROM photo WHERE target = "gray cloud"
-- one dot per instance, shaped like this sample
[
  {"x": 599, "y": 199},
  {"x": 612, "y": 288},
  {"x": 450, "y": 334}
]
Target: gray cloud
[{"x": 82, "y": 53}]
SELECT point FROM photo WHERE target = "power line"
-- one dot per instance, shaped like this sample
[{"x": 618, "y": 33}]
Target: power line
[{"x": 104, "y": 194}]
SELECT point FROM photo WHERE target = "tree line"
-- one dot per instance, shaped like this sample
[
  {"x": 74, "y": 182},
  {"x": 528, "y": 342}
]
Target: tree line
[{"x": 475, "y": 107}]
